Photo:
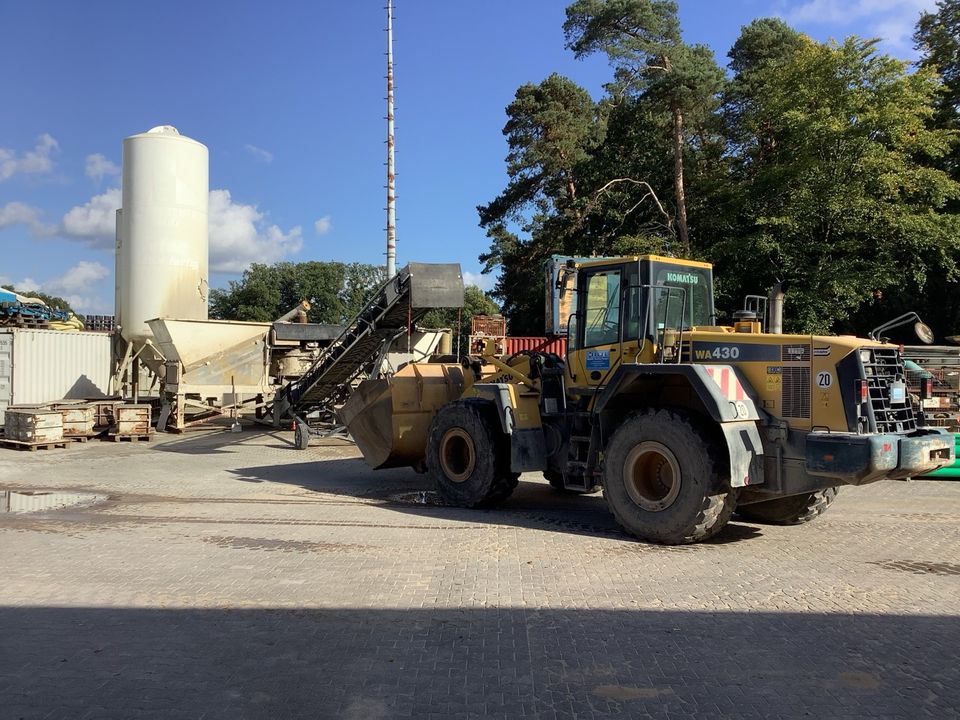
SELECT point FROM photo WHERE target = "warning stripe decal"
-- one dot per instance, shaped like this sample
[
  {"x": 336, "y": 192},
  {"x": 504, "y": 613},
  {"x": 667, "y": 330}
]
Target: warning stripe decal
[{"x": 727, "y": 381}]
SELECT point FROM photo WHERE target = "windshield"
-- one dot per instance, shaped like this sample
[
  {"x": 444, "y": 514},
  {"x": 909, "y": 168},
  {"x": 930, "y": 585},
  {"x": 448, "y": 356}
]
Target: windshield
[{"x": 698, "y": 285}]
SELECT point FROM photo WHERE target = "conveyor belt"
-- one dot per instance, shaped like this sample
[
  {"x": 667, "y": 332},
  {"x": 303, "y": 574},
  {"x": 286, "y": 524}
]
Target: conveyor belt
[{"x": 398, "y": 304}]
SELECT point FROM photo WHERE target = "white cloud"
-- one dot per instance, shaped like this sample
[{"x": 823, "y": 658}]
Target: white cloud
[
  {"x": 891, "y": 20},
  {"x": 95, "y": 221},
  {"x": 18, "y": 213},
  {"x": 238, "y": 236},
  {"x": 77, "y": 279},
  {"x": 33, "y": 162},
  {"x": 483, "y": 281},
  {"x": 26, "y": 285},
  {"x": 259, "y": 153},
  {"x": 76, "y": 286},
  {"x": 323, "y": 225},
  {"x": 98, "y": 167}
]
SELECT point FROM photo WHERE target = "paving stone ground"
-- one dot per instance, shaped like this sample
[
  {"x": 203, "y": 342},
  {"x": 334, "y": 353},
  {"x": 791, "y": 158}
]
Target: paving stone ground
[{"x": 232, "y": 576}]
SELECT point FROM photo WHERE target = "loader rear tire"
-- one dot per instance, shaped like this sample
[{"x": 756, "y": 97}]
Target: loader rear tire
[
  {"x": 466, "y": 456},
  {"x": 793, "y": 510},
  {"x": 665, "y": 481}
]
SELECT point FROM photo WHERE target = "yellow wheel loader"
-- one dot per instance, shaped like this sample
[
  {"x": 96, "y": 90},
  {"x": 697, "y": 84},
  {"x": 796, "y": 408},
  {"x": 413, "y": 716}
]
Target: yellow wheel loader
[{"x": 680, "y": 421}]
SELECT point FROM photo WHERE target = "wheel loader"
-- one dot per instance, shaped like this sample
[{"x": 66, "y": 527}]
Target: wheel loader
[{"x": 681, "y": 422}]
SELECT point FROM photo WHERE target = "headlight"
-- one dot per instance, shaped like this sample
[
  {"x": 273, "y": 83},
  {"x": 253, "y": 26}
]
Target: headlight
[{"x": 866, "y": 356}]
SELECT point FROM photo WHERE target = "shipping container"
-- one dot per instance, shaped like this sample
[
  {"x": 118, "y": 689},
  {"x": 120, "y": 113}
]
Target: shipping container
[
  {"x": 41, "y": 366},
  {"x": 556, "y": 345}
]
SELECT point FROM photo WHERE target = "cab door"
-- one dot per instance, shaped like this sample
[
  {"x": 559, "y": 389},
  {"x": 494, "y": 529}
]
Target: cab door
[{"x": 595, "y": 328}]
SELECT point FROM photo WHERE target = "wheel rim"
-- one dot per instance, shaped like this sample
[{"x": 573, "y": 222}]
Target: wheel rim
[
  {"x": 651, "y": 475},
  {"x": 458, "y": 457}
]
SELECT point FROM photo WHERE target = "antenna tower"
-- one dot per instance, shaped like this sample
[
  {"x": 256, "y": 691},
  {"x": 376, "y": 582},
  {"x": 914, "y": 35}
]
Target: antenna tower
[{"x": 391, "y": 175}]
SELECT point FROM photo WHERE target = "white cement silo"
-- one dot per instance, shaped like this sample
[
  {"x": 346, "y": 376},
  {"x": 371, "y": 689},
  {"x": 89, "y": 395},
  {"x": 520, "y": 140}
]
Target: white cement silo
[{"x": 162, "y": 243}]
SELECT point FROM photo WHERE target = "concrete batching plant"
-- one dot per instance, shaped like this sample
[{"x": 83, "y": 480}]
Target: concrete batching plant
[{"x": 200, "y": 368}]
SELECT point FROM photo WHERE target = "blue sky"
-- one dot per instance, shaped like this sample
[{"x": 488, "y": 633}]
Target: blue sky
[{"x": 289, "y": 98}]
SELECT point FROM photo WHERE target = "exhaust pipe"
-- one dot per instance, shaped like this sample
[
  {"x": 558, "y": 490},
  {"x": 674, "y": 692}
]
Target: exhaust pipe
[{"x": 775, "y": 308}]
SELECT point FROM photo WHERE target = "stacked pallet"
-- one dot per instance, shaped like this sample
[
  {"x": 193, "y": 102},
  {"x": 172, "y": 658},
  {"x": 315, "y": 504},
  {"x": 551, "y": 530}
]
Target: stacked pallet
[
  {"x": 33, "y": 427},
  {"x": 99, "y": 323}
]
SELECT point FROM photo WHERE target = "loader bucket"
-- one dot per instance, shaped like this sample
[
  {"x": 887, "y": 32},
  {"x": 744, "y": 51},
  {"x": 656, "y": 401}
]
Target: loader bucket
[
  {"x": 390, "y": 418},
  {"x": 368, "y": 415}
]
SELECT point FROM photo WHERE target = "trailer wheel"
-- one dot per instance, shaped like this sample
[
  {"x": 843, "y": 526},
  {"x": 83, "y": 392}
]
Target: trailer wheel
[
  {"x": 664, "y": 480},
  {"x": 301, "y": 436},
  {"x": 793, "y": 510},
  {"x": 466, "y": 458}
]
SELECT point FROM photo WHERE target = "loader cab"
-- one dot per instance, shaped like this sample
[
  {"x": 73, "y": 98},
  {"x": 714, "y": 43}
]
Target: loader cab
[{"x": 631, "y": 310}]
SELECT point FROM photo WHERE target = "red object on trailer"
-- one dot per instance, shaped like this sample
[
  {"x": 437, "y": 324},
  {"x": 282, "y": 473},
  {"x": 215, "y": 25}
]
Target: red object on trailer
[
  {"x": 492, "y": 325},
  {"x": 556, "y": 345}
]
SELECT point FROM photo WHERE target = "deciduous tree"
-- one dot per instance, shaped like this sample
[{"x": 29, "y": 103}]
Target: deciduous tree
[{"x": 336, "y": 291}]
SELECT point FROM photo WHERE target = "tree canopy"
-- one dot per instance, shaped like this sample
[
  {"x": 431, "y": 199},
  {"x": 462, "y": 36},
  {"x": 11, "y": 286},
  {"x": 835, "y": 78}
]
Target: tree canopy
[
  {"x": 336, "y": 291},
  {"x": 827, "y": 165}
]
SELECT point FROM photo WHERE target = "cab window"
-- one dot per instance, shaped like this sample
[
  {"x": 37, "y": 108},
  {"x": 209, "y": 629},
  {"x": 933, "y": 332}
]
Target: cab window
[
  {"x": 698, "y": 301},
  {"x": 601, "y": 316}
]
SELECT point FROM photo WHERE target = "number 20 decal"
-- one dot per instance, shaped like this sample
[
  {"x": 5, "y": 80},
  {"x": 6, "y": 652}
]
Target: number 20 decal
[{"x": 824, "y": 379}]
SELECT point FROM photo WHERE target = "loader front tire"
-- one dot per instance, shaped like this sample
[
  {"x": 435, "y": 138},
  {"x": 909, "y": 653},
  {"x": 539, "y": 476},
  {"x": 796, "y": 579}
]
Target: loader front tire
[
  {"x": 466, "y": 456},
  {"x": 793, "y": 510},
  {"x": 664, "y": 479}
]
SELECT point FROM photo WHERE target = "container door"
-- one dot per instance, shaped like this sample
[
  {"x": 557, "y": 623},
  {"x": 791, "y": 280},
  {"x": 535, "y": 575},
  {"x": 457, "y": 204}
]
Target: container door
[{"x": 6, "y": 373}]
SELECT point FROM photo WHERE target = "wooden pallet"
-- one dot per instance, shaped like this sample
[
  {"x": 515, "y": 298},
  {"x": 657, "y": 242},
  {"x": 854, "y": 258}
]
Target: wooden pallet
[
  {"x": 33, "y": 446},
  {"x": 116, "y": 437},
  {"x": 28, "y": 323},
  {"x": 77, "y": 438}
]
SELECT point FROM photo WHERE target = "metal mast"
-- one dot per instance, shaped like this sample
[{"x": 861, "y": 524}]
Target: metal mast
[{"x": 391, "y": 176}]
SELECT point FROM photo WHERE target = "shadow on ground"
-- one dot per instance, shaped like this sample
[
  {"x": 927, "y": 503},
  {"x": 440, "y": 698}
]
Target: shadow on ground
[
  {"x": 496, "y": 663},
  {"x": 215, "y": 440},
  {"x": 534, "y": 504}
]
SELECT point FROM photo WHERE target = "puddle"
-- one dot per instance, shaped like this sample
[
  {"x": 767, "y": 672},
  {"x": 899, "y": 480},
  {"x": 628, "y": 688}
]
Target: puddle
[
  {"x": 418, "y": 497},
  {"x": 27, "y": 501}
]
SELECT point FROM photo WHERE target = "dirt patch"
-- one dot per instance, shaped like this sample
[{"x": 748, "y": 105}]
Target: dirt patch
[
  {"x": 858, "y": 680},
  {"x": 920, "y": 567},
  {"x": 276, "y": 545},
  {"x": 627, "y": 692}
]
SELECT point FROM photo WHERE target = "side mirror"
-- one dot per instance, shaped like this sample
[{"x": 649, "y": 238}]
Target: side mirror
[
  {"x": 571, "y": 331},
  {"x": 924, "y": 332}
]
